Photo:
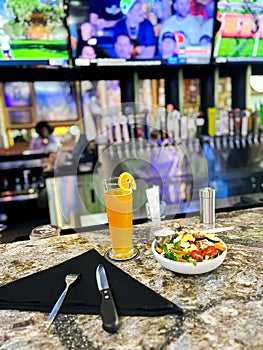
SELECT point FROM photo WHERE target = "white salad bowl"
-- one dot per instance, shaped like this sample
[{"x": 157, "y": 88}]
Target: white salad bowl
[{"x": 188, "y": 268}]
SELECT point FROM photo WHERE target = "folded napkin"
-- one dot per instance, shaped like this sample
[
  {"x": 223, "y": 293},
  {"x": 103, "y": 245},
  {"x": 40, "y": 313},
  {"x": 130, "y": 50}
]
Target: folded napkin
[{"x": 39, "y": 292}]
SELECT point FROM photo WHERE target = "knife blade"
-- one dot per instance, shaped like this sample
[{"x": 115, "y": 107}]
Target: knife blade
[{"x": 110, "y": 319}]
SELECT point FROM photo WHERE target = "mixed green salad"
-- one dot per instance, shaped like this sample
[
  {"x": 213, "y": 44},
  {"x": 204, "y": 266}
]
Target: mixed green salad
[{"x": 187, "y": 246}]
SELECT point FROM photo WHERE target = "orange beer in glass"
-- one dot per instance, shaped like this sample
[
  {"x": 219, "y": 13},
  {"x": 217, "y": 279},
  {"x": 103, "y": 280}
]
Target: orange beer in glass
[{"x": 118, "y": 204}]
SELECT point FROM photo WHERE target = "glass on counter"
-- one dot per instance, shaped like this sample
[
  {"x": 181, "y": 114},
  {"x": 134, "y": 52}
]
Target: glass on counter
[
  {"x": 118, "y": 202},
  {"x": 44, "y": 231}
]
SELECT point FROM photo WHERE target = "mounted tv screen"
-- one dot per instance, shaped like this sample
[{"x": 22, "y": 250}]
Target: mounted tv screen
[
  {"x": 132, "y": 32},
  {"x": 33, "y": 32},
  {"x": 56, "y": 101},
  {"x": 239, "y": 38}
]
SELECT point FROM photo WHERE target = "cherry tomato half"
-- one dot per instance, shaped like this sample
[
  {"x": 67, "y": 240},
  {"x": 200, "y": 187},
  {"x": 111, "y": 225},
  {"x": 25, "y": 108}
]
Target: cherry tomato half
[
  {"x": 196, "y": 255},
  {"x": 210, "y": 251}
]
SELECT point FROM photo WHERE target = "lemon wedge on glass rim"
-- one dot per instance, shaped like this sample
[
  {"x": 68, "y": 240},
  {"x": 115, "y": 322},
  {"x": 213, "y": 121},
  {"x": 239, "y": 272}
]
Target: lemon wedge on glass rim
[{"x": 126, "y": 181}]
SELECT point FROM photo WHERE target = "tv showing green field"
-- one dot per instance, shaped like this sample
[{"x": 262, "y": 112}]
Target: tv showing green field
[
  {"x": 33, "y": 32},
  {"x": 240, "y": 37}
]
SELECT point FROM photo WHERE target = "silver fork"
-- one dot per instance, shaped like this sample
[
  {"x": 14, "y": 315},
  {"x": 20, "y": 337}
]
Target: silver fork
[{"x": 69, "y": 279}]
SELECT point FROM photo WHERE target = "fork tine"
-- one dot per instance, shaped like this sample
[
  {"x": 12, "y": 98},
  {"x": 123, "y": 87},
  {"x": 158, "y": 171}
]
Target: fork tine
[{"x": 73, "y": 275}]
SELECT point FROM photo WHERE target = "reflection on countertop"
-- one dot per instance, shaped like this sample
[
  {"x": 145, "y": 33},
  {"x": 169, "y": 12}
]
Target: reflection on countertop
[{"x": 222, "y": 308}]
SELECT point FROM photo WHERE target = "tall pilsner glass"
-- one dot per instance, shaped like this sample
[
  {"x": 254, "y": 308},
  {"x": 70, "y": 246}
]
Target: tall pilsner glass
[{"x": 119, "y": 211}]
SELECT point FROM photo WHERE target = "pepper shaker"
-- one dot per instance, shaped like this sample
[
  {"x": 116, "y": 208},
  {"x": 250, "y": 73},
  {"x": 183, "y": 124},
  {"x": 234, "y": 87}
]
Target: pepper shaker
[{"x": 207, "y": 206}]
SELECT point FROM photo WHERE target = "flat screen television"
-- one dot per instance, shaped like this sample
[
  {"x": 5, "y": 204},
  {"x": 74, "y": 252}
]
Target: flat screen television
[
  {"x": 240, "y": 37},
  {"x": 56, "y": 101},
  {"x": 131, "y": 32},
  {"x": 33, "y": 33}
]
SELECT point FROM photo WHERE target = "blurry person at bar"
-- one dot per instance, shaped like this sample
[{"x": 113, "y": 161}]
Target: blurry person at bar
[
  {"x": 139, "y": 29},
  {"x": 182, "y": 21},
  {"x": 123, "y": 47},
  {"x": 168, "y": 46},
  {"x": 45, "y": 142}
]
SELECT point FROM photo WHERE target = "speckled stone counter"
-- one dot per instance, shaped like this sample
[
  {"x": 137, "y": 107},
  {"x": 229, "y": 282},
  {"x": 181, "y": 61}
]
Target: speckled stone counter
[{"x": 223, "y": 308}]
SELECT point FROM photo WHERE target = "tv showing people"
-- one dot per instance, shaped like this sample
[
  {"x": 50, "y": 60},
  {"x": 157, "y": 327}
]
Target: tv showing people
[
  {"x": 33, "y": 32},
  {"x": 239, "y": 38},
  {"x": 167, "y": 31}
]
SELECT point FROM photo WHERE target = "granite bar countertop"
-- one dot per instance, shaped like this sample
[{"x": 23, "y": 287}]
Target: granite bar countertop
[{"x": 223, "y": 308}]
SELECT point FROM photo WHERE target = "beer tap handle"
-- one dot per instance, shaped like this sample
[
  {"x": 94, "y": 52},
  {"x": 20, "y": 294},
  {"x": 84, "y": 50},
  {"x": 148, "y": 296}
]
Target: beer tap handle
[
  {"x": 255, "y": 139},
  {"x": 243, "y": 142},
  {"x": 244, "y": 123},
  {"x": 237, "y": 141},
  {"x": 231, "y": 142},
  {"x": 212, "y": 142},
  {"x": 119, "y": 152},
  {"x": 198, "y": 145},
  {"x": 177, "y": 127},
  {"x": 131, "y": 124},
  {"x": 218, "y": 142},
  {"x": 237, "y": 121},
  {"x": 250, "y": 139},
  {"x": 117, "y": 129},
  {"x": 125, "y": 131},
  {"x": 224, "y": 140},
  {"x": 127, "y": 150},
  {"x": 261, "y": 133},
  {"x": 231, "y": 123},
  {"x": 183, "y": 128},
  {"x": 146, "y": 125},
  {"x": 109, "y": 131}
]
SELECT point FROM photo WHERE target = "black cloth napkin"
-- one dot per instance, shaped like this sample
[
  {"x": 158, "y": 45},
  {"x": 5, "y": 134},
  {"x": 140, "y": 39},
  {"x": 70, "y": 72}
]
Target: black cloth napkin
[{"x": 40, "y": 291}]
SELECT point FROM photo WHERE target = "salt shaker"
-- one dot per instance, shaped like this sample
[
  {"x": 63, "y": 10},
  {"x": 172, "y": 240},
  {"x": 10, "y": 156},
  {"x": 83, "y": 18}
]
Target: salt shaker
[{"x": 207, "y": 206}]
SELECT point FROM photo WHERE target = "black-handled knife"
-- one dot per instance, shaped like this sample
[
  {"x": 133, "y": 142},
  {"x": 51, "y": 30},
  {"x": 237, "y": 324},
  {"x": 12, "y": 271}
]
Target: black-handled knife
[{"x": 110, "y": 319}]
